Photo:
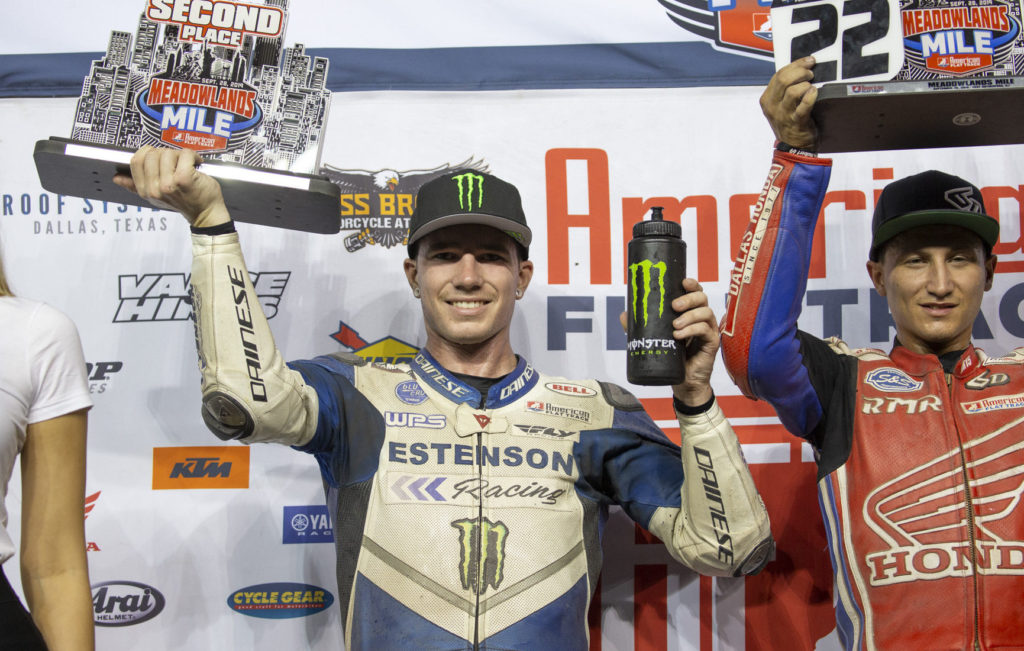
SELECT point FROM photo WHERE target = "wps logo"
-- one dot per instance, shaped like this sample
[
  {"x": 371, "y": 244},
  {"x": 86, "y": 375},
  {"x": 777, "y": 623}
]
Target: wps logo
[
  {"x": 641, "y": 272},
  {"x": 468, "y": 185},
  {"x": 922, "y": 514},
  {"x": 215, "y": 466},
  {"x": 165, "y": 297},
  {"x": 411, "y": 419},
  {"x": 482, "y": 560}
]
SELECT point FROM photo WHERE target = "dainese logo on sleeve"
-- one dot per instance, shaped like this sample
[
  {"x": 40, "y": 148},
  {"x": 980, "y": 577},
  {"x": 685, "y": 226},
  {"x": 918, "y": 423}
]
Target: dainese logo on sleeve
[{"x": 216, "y": 466}]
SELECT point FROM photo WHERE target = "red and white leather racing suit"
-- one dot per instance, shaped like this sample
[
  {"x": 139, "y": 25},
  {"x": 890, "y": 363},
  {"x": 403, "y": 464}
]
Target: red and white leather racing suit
[{"x": 920, "y": 465}]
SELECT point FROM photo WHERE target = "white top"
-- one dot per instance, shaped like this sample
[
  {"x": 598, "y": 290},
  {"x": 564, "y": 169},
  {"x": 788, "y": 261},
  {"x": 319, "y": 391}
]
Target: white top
[{"x": 42, "y": 376}]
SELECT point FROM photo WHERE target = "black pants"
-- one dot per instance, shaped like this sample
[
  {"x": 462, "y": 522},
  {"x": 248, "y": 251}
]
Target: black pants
[{"x": 17, "y": 630}]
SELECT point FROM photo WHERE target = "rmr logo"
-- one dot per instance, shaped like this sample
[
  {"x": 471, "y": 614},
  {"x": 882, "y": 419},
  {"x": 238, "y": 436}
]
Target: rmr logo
[{"x": 165, "y": 297}]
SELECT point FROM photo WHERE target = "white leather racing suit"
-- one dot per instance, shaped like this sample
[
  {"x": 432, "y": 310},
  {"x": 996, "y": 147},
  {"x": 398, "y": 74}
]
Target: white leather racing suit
[{"x": 465, "y": 521}]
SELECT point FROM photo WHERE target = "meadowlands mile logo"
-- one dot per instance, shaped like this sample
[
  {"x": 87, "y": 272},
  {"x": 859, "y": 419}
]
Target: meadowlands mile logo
[
  {"x": 640, "y": 283},
  {"x": 482, "y": 558}
]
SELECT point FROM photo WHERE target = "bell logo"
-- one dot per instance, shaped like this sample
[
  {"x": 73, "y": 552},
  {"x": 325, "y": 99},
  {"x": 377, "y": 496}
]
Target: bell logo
[{"x": 200, "y": 467}]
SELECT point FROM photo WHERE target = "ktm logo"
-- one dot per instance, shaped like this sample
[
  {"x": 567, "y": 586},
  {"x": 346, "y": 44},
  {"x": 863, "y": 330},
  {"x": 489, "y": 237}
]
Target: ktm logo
[
  {"x": 201, "y": 467},
  {"x": 922, "y": 515}
]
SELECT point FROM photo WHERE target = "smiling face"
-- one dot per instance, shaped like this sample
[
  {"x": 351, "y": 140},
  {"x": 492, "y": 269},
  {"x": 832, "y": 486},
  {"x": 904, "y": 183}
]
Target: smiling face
[
  {"x": 933, "y": 278},
  {"x": 467, "y": 277}
]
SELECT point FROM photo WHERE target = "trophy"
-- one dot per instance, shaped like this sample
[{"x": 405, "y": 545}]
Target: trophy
[
  {"x": 908, "y": 74},
  {"x": 213, "y": 77}
]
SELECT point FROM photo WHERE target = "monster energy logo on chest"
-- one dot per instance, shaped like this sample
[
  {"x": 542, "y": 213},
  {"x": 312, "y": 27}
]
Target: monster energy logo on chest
[
  {"x": 482, "y": 562},
  {"x": 469, "y": 184},
  {"x": 642, "y": 271}
]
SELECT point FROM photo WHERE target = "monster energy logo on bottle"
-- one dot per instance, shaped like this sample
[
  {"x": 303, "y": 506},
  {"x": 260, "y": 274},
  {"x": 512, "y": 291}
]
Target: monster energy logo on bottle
[
  {"x": 645, "y": 266},
  {"x": 483, "y": 553},
  {"x": 468, "y": 183}
]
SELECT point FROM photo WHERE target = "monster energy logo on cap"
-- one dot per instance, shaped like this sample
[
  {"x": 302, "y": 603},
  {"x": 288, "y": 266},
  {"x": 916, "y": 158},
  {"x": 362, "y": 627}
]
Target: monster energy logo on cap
[
  {"x": 466, "y": 184},
  {"x": 645, "y": 266},
  {"x": 482, "y": 562},
  {"x": 468, "y": 197}
]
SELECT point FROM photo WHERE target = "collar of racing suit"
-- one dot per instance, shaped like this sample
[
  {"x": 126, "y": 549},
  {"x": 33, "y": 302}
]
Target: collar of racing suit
[{"x": 960, "y": 363}]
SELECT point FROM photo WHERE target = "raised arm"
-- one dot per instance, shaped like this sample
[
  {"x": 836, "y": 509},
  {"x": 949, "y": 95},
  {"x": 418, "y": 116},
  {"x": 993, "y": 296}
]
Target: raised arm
[
  {"x": 700, "y": 501},
  {"x": 760, "y": 342},
  {"x": 249, "y": 393}
]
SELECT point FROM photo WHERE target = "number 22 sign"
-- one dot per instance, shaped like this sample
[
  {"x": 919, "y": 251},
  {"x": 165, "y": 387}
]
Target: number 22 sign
[{"x": 850, "y": 39}]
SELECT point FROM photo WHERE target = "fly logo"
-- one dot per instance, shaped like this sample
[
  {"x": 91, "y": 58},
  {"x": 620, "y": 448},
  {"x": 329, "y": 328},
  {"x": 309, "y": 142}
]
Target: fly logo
[
  {"x": 922, "y": 514},
  {"x": 408, "y": 419},
  {"x": 201, "y": 467},
  {"x": 165, "y": 296}
]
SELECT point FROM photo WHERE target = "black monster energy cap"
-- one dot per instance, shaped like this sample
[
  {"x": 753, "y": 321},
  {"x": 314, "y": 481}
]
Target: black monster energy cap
[
  {"x": 469, "y": 197},
  {"x": 927, "y": 199}
]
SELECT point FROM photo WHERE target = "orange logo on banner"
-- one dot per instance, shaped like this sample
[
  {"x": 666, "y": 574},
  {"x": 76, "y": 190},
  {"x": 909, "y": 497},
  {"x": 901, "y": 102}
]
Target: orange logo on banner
[{"x": 215, "y": 466}]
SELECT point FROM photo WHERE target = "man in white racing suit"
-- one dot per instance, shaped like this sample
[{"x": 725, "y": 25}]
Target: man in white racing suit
[{"x": 468, "y": 490}]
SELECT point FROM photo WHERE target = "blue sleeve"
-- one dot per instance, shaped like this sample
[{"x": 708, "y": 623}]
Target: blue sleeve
[
  {"x": 632, "y": 464},
  {"x": 349, "y": 429},
  {"x": 759, "y": 332}
]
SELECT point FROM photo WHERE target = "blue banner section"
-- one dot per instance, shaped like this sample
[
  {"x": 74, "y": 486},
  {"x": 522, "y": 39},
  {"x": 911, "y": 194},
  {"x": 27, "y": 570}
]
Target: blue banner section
[{"x": 616, "y": 65}]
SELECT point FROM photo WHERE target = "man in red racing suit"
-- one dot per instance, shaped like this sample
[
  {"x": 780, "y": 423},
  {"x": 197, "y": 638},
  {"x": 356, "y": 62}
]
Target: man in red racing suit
[{"x": 920, "y": 451}]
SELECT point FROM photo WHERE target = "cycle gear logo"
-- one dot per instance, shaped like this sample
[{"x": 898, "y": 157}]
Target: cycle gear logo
[
  {"x": 482, "y": 560},
  {"x": 469, "y": 184},
  {"x": 640, "y": 272},
  {"x": 922, "y": 515}
]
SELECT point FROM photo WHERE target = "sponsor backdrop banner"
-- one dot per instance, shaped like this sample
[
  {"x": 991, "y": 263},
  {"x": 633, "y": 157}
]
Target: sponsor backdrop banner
[
  {"x": 211, "y": 530},
  {"x": 197, "y": 544}
]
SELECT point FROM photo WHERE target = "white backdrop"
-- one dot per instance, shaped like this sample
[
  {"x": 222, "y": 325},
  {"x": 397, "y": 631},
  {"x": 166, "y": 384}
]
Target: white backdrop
[{"x": 198, "y": 547}]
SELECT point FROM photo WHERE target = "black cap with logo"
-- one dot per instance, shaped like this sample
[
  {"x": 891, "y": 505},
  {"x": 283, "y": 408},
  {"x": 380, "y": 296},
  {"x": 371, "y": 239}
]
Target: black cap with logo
[
  {"x": 927, "y": 199},
  {"x": 469, "y": 197}
]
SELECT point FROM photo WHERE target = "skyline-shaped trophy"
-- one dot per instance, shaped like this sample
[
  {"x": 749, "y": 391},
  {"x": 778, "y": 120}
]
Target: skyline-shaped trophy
[
  {"x": 908, "y": 74},
  {"x": 213, "y": 77}
]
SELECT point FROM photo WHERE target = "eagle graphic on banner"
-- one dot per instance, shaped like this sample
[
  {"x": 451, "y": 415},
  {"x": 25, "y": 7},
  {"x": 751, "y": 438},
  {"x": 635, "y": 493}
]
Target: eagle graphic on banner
[{"x": 377, "y": 204}]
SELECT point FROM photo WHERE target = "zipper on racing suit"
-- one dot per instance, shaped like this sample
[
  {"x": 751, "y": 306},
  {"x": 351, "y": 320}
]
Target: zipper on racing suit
[{"x": 971, "y": 533}]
